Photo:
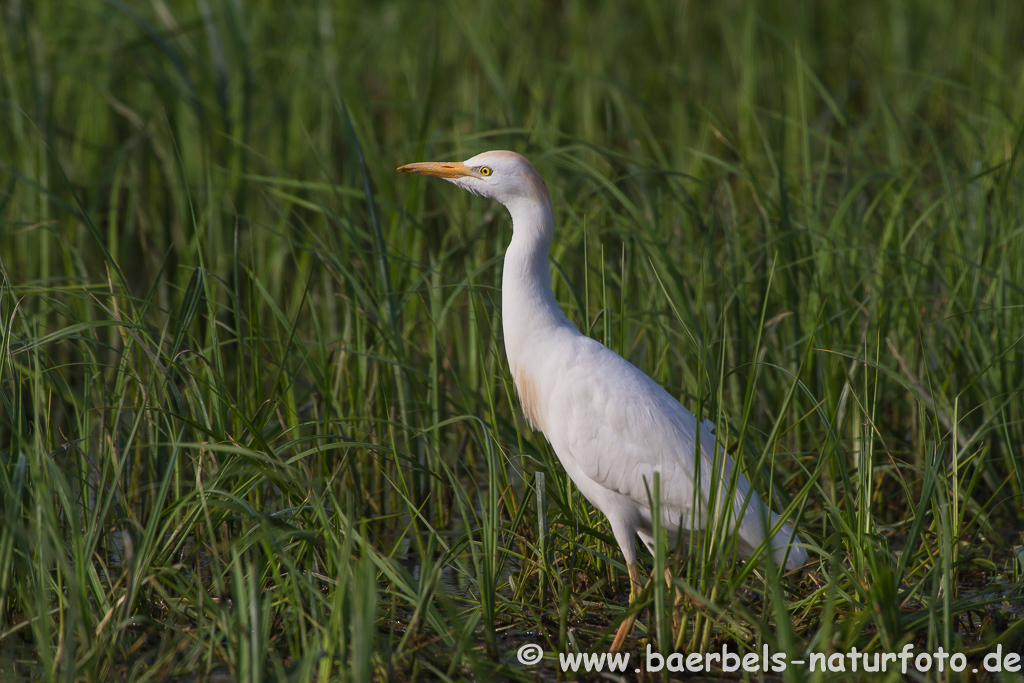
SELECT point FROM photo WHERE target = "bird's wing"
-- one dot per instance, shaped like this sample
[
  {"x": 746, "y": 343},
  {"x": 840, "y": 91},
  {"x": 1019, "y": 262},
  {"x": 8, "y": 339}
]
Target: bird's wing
[{"x": 620, "y": 427}]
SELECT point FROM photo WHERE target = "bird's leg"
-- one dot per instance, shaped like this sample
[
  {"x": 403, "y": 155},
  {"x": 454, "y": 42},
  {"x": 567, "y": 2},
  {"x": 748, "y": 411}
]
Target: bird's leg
[
  {"x": 635, "y": 589},
  {"x": 679, "y": 603},
  {"x": 634, "y": 582}
]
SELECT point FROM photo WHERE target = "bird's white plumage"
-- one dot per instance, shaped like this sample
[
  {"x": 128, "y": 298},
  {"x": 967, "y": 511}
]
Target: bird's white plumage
[{"x": 611, "y": 426}]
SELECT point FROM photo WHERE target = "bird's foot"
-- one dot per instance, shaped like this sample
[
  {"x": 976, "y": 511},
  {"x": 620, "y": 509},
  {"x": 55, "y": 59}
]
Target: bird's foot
[{"x": 626, "y": 627}]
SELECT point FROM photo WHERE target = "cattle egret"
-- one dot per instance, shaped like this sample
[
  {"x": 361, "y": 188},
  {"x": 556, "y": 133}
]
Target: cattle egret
[{"x": 611, "y": 426}]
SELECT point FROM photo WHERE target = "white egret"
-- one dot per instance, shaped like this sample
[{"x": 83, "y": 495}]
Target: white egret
[{"x": 611, "y": 426}]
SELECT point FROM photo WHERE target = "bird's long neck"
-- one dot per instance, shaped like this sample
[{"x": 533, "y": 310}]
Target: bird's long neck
[{"x": 530, "y": 314}]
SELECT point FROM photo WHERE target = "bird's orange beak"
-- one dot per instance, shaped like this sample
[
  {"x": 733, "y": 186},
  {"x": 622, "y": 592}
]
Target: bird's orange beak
[{"x": 441, "y": 169}]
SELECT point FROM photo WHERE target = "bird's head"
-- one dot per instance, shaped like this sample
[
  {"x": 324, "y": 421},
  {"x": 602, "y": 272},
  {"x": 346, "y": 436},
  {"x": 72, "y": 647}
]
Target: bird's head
[{"x": 503, "y": 176}]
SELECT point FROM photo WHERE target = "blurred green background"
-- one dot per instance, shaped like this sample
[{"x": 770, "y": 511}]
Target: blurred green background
[{"x": 256, "y": 419}]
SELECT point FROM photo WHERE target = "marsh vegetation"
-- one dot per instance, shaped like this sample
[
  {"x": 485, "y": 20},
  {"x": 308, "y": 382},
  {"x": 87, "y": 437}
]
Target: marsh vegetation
[{"x": 256, "y": 420}]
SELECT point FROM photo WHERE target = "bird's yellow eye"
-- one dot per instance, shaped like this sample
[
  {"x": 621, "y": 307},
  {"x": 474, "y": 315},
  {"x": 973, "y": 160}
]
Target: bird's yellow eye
[{"x": 485, "y": 171}]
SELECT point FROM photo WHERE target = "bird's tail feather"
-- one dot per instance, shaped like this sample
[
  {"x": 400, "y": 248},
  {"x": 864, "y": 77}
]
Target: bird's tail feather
[{"x": 785, "y": 545}]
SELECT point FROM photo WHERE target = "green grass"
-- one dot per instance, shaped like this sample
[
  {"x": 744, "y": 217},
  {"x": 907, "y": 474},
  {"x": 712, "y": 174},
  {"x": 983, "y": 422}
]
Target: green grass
[{"x": 256, "y": 418}]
